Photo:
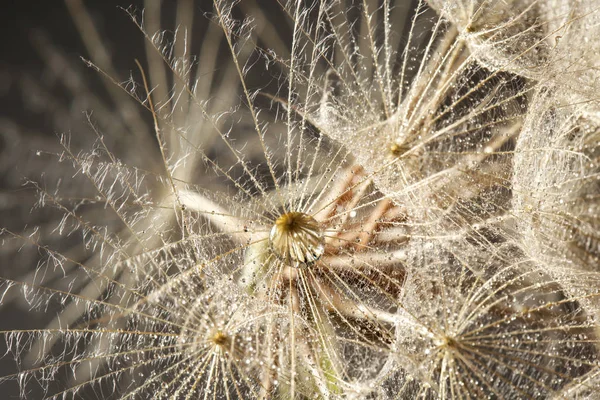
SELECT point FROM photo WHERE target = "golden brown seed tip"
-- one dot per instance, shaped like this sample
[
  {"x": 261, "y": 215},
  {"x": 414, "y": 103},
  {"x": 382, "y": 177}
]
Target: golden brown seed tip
[
  {"x": 220, "y": 338},
  {"x": 397, "y": 150}
]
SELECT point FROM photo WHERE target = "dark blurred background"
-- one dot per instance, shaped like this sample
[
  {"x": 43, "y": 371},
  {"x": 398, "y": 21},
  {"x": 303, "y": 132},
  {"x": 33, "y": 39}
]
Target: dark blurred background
[
  {"x": 26, "y": 118},
  {"x": 23, "y": 23}
]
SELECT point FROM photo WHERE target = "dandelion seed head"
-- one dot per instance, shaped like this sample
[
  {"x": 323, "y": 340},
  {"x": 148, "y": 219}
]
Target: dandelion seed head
[{"x": 376, "y": 233}]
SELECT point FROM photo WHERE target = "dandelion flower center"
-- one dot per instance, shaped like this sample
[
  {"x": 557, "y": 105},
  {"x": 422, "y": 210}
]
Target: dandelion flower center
[{"x": 296, "y": 238}]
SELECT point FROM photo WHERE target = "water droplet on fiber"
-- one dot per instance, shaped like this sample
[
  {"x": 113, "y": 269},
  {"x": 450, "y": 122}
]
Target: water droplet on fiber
[{"x": 296, "y": 238}]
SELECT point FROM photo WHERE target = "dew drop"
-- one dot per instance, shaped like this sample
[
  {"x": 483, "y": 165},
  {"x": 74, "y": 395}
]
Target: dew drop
[{"x": 297, "y": 239}]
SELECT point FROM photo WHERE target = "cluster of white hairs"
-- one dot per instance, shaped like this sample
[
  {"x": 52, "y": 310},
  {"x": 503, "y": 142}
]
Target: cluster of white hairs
[{"x": 334, "y": 199}]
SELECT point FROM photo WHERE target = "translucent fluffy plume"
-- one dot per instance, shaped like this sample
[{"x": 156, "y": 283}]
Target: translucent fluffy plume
[
  {"x": 430, "y": 125},
  {"x": 479, "y": 323},
  {"x": 556, "y": 182},
  {"x": 547, "y": 40}
]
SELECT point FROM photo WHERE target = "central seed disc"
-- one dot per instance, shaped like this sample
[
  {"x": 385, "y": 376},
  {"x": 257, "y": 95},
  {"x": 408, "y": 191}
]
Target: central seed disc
[{"x": 297, "y": 238}]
